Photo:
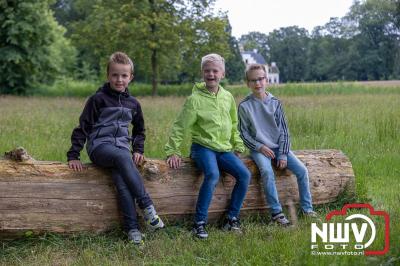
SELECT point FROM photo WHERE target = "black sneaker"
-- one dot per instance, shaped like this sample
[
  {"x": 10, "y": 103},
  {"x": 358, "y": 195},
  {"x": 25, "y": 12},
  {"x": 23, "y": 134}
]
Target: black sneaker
[
  {"x": 232, "y": 225},
  {"x": 280, "y": 219},
  {"x": 199, "y": 230}
]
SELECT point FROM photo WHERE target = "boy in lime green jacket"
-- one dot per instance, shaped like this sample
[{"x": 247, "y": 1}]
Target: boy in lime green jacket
[{"x": 211, "y": 117}]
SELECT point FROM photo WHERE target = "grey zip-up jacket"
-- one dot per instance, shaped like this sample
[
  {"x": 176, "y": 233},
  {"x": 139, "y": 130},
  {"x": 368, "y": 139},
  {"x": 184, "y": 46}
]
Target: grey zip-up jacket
[
  {"x": 105, "y": 119},
  {"x": 263, "y": 122}
]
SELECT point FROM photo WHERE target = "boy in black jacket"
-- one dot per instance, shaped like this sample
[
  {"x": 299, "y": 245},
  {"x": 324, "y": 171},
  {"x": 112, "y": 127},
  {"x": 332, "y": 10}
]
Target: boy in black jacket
[{"x": 104, "y": 124}]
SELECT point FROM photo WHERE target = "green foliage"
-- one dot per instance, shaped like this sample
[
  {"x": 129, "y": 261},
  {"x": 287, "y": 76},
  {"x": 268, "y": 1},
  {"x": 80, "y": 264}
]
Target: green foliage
[
  {"x": 363, "y": 45},
  {"x": 256, "y": 40},
  {"x": 32, "y": 47},
  {"x": 165, "y": 38},
  {"x": 234, "y": 65},
  {"x": 287, "y": 49}
]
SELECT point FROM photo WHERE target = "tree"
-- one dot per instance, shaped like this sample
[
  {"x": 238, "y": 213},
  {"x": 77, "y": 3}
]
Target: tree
[
  {"x": 160, "y": 35},
  {"x": 288, "y": 48},
  {"x": 234, "y": 65},
  {"x": 255, "y": 40},
  {"x": 32, "y": 47},
  {"x": 376, "y": 38}
]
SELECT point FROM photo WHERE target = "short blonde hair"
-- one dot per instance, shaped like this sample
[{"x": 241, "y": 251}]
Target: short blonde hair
[
  {"x": 215, "y": 58},
  {"x": 120, "y": 58},
  {"x": 253, "y": 67}
]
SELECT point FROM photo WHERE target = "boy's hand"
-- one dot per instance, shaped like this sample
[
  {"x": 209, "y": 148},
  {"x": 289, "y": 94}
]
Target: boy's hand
[
  {"x": 174, "y": 161},
  {"x": 137, "y": 158},
  {"x": 267, "y": 152},
  {"x": 282, "y": 164},
  {"x": 75, "y": 165}
]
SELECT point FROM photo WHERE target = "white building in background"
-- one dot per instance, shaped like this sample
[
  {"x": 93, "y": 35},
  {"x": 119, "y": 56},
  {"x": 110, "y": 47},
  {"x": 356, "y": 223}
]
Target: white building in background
[{"x": 252, "y": 57}]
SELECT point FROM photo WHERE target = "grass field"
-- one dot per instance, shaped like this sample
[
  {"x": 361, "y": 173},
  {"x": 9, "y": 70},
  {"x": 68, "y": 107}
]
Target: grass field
[{"x": 363, "y": 122}]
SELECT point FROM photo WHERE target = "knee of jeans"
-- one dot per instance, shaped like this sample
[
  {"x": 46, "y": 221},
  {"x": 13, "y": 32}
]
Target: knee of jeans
[
  {"x": 302, "y": 172},
  {"x": 267, "y": 172},
  {"x": 245, "y": 175},
  {"x": 212, "y": 178},
  {"x": 122, "y": 189}
]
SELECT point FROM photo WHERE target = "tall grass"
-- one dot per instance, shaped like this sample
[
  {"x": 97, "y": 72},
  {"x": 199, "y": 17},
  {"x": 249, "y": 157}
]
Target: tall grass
[
  {"x": 74, "y": 88},
  {"x": 363, "y": 124}
]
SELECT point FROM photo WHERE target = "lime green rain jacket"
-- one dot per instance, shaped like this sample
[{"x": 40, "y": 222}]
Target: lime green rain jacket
[{"x": 211, "y": 119}]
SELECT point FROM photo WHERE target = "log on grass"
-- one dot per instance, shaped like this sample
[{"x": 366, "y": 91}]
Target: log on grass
[{"x": 46, "y": 196}]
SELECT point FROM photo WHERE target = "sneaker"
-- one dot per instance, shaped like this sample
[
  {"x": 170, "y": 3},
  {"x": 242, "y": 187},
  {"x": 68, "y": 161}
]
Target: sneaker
[
  {"x": 310, "y": 214},
  {"x": 232, "y": 225},
  {"x": 280, "y": 219},
  {"x": 199, "y": 230},
  {"x": 135, "y": 237},
  {"x": 155, "y": 223},
  {"x": 151, "y": 218}
]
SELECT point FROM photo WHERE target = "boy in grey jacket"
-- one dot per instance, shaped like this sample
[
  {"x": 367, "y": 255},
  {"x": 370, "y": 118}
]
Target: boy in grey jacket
[{"x": 263, "y": 128}]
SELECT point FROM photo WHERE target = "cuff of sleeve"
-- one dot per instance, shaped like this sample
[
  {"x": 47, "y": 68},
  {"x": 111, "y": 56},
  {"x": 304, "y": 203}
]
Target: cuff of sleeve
[
  {"x": 239, "y": 149},
  {"x": 170, "y": 153},
  {"x": 282, "y": 157},
  {"x": 258, "y": 146}
]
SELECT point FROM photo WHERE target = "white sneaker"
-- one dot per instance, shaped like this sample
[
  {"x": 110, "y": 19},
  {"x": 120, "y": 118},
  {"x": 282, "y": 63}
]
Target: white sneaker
[
  {"x": 135, "y": 236},
  {"x": 280, "y": 219},
  {"x": 155, "y": 223}
]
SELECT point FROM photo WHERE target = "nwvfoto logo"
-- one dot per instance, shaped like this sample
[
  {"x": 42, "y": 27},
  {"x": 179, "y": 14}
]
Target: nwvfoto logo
[{"x": 336, "y": 235}]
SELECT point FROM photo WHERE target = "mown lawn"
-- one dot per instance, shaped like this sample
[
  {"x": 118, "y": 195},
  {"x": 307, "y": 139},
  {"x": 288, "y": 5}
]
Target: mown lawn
[{"x": 365, "y": 125}]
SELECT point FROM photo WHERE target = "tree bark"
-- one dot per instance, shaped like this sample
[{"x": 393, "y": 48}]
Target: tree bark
[{"x": 42, "y": 196}]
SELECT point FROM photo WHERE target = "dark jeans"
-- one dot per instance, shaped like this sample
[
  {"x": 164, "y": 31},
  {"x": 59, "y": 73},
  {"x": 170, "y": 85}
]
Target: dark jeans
[
  {"x": 127, "y": 181},
  {"x": 210, "y": 162}
]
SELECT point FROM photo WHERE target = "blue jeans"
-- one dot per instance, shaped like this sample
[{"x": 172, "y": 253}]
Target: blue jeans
[
  {"x": 268, "y": 178},
  {"x": 127, "y": 181},
  {"x": 210, "y": 162}
]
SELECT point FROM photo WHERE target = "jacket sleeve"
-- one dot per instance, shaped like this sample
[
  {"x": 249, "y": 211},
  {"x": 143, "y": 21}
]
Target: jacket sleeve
[
  {"x": 244, "y": 125},
  {"x": 236, "y": 141},
  {"x": 80, "y": 133},
  {"x": 138, "y": 132},
  {"x": 184, "y": 121},
  {"x": 284, "y": 139}
]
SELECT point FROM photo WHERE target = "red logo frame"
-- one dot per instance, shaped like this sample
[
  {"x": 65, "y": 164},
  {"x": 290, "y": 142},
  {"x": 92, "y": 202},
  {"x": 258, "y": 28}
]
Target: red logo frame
[{"x": 385, "y": 215}]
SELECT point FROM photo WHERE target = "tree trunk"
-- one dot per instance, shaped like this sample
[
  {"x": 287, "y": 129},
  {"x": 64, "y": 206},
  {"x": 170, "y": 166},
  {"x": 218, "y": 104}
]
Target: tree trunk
[
  {"x": 42, "y": 196},
  {"x": 154, "y": 70},
  {"x": 154, "y": 58}
]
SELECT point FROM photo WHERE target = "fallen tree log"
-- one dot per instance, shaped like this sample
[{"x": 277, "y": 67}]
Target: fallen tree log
[{"x": 42, "y": 196}]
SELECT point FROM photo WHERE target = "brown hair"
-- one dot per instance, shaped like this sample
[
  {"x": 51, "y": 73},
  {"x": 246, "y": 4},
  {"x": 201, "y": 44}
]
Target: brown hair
[
  {"x": 119, "y": 58},
  {"x": 255, "y": 67}
]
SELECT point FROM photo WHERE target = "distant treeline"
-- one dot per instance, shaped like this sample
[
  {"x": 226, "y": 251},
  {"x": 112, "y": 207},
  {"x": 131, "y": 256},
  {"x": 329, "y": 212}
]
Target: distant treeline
[{"x": 43, "y": 40}]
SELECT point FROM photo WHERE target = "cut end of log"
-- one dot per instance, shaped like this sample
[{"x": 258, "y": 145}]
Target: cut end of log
[{"x": 18, "y": 154}]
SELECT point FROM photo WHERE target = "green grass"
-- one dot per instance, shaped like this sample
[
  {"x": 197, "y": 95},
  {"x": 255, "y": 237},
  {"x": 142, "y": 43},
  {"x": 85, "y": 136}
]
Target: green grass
[
  {"x": 74, "y": 88},
  {"x": 363, "y": 123}
]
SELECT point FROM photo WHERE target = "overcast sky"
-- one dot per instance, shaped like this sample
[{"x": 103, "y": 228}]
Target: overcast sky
[{"x": 267, "y": 15}]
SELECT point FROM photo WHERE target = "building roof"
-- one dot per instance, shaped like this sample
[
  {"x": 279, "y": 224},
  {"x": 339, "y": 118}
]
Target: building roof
[{"x": 259, "y": 59}]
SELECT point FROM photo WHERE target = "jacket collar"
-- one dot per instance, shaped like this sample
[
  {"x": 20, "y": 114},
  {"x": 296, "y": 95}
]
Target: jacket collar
[
  {"x": 202, "y": 89},
  {"x": 106, "y": 88}
]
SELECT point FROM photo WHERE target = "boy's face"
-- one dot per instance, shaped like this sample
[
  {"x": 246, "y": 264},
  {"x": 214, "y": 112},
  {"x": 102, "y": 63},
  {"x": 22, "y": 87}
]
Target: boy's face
[
  {"x": 119, "y": 76},
  {"x": 212, "y": 74},
  {"x": 257, "y": 81}
]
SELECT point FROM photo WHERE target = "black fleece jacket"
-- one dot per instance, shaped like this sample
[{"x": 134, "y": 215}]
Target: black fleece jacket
[{"x": 105, "y": 119}]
